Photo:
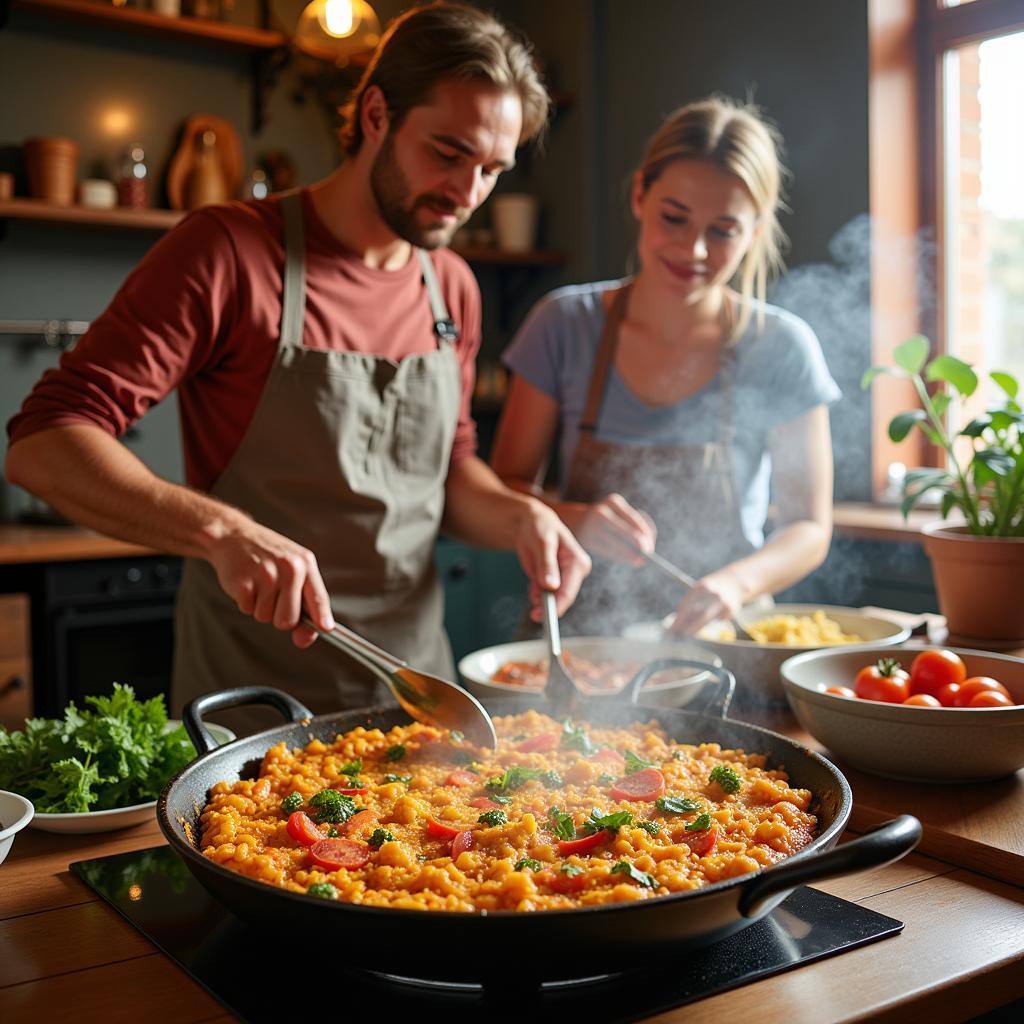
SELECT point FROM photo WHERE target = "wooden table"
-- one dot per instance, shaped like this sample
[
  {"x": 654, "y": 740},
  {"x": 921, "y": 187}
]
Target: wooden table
[{"x": 960, "y": 955}]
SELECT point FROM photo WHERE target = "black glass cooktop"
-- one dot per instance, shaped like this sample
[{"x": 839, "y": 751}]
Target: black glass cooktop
[{"x": 155, "y": 892}]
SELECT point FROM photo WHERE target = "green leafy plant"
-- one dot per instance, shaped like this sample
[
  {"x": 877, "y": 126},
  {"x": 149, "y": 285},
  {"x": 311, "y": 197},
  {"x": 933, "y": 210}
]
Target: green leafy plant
[{"x": 987, "y": 485}]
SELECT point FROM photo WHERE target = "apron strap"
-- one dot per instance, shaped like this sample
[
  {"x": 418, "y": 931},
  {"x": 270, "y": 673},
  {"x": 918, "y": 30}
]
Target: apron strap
[
  {"x": 603, "y": 361},
  {"x": 444, "y": 326},
  {"x": 293, "y": 304}
]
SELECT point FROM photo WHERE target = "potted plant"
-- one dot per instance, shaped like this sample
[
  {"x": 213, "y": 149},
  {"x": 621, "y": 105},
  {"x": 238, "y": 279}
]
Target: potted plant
[{"x": 977, "y": 560}]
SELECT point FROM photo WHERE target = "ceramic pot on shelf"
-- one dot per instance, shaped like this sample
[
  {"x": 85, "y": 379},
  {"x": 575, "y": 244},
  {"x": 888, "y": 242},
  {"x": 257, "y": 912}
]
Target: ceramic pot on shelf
[
  {"x": 206, "y": 182},
  {"x": 51, "y": 165}
]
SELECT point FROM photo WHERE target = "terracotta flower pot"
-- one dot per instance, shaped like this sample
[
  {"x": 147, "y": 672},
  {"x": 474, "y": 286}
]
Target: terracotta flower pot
[
  {"x": 51, "y": 166},
  {"x": 980, "y": 582}
]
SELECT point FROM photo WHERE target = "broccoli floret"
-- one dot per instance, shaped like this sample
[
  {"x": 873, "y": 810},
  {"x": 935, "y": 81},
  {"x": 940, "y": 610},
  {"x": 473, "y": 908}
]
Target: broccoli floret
[
  {"x": 380, "y": 837},
  {"x": 324, "y": 890},
  {"x": 726, "y": 778},
  {"x": 291, "y": 803},
  {"x": 332, "y": 806},
  {"x": 493, "y": 818}
]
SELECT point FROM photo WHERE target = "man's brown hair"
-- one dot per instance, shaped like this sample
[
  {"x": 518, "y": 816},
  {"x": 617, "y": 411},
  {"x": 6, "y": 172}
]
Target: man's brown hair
[{"x": 446, "y": 42}]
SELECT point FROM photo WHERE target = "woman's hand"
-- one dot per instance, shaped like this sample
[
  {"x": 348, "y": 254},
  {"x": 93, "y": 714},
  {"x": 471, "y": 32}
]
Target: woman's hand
[
  {"x": 611, "y": 527},
  {"x": 551, "y": 558},
  {"x": 719, "y": 595}
]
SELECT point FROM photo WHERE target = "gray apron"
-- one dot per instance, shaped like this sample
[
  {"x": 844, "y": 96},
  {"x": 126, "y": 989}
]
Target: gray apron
[
  {"x": 346, "y": 454},
  {"x": 689, "y": 491}
]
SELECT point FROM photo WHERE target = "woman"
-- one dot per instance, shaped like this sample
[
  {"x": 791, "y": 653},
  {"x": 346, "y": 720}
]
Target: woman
[{"x": 679, "y": 393}]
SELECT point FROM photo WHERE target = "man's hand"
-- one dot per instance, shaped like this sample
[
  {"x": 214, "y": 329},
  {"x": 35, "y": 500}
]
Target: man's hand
[
  {"x": 611, "y": 527},
  {"x": 272, "y": 579},
  {"x": 719, "y": 595},
  {"x": 551, "y": 557}
]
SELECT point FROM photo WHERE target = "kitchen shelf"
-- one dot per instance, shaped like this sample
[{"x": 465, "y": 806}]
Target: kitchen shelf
[
  {"x": 119, "y": 217},
  {"x": 239, "y": 38}
]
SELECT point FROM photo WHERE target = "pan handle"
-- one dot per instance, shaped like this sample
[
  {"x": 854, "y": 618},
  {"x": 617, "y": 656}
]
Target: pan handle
[
  {"x": 882, "y": 845},
  {"x": 192, "y": 716},
  {"x": 716, "y": 705}
]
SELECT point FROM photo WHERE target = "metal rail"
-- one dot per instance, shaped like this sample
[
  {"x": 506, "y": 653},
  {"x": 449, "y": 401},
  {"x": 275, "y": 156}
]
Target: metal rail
[{"x": 54, "y": 333}]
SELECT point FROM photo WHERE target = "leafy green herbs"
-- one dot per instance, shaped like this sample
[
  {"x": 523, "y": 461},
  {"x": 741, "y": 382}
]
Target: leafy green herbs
[
  {"x": 604, "y": 779},
  {"x": 637, "y": 764},
  {"x": 571, "y": 870},
  {"x": 676, "y": 805},
  {"x": 493, "y": 818},
  {"x": 562, "y": 824},
  {"x": 512, "y": 779},
  {"x": 611, "y": 823},
  {"x": 651, "y": 827},
  {"x": 395, "y": 753},
  {"x": 623, "y": 867},
  {"x": 333, "y": 833},
  {"x": 331, "y": 806},
  {"x": 503, "y": 800},
  {"x": 726, "y": 777},
  {"x": 352, "y": 767},
  {"x": 114, "y": 753},
  {"x": 324, "y": 890},
  {"x": 576, "y": 739},
  {"x": 528, "y": 862},
  {"x": 700, "y": 824},
  {"x": 550, "y": 779},
  {"x": 291, "y": 803},
  {"x": 398, "y": 778},
  {"x": 380, "y": 837}
]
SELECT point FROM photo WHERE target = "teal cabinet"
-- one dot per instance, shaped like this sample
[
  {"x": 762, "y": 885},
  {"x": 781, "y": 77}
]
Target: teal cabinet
[{"x": 485, "y": 595}]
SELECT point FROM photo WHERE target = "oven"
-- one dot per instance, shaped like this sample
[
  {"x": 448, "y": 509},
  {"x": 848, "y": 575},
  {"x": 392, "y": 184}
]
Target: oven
[{"x": 97, "y": 622}]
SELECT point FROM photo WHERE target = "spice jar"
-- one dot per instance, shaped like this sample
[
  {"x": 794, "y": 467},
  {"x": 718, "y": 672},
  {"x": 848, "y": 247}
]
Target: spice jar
[{"x": 133, "y": 182}]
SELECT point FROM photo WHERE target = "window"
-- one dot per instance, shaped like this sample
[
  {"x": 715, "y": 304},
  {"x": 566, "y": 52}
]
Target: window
[{"x": 947, "y": 102}]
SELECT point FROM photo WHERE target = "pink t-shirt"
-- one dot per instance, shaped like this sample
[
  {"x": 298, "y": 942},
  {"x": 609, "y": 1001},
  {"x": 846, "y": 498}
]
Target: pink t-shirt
[{"x": 202, "y": 313}]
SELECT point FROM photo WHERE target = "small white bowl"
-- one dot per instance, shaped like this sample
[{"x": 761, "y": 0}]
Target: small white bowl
[
  {"x": 117, "y": 817},
  {"x": 15, "y": 813},
  {"x": 756, "y": 666},
  {"x": 478, "y": 668},
  {"x": 915, "y": 744}
]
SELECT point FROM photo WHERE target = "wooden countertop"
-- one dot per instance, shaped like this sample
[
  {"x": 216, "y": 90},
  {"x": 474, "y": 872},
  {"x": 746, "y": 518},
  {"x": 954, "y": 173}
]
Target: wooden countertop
[
  {"x": 960, "y": 954},
  {"x": 866, "y": 521},
  {"x": 23, "y": 544}
]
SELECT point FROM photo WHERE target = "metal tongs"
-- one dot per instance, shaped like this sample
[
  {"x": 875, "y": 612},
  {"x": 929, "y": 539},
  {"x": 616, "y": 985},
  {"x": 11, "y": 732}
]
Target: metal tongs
[
  {"x": 424, "y": 697},
  {"x": 560, "y": 689}
]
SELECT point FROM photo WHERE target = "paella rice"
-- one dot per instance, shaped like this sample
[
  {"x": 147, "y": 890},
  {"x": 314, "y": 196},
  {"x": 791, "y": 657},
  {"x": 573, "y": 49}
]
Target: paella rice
[
  {"x": 816, "y": 630},
  {"x": 560, "y": 815}
]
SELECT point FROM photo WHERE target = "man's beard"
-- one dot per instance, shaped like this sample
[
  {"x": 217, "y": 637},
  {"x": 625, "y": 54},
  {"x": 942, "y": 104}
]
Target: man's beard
[{"x": 392, "y": 193}]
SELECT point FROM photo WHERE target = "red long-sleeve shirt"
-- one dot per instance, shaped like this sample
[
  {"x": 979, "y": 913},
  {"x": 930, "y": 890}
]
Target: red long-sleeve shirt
[{"x": 202, "y": 312}]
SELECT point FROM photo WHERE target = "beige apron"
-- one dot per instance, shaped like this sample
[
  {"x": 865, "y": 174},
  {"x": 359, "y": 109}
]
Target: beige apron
[
  {"x": 346, "y": 454},
  {"x": 689, "y": 491}
]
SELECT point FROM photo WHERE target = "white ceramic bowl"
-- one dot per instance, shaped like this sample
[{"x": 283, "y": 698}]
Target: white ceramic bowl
[
  {"x": 756, "y": 666},
  {"x": 116, "y": 817},
  {"x": 910, "y": 743},
  {"x": 476, "y": 669},
  {"x": 15, "y": 813}
]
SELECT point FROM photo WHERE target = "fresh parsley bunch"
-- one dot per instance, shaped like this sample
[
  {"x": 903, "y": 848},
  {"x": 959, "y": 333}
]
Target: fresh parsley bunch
[{"x": 114, "y": 753}]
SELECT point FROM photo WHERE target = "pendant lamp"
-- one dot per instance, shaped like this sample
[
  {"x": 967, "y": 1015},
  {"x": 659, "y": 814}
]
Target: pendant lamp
[{"x": 337, "y": 30}]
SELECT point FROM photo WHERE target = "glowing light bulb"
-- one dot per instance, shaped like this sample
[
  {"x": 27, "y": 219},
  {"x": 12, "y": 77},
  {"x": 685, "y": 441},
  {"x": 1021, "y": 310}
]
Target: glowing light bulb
[{"x": 337, "y": 18}]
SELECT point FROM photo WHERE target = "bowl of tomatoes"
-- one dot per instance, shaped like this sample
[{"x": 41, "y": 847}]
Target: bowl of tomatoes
[{"x": 917, "y": 712}]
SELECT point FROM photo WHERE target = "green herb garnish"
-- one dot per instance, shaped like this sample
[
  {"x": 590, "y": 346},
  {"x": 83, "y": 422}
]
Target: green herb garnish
[
  {"x": 395, "y": 753},
  {"x": 611, "y": 823},
  {"x": 623, "y": 867},
  {"x": 333, "y": 833},
  {"x": 324, "y": 890},
  {"x": 528, "y": 862},
  {"x": 649, "y": 826},
  {"x": 726, "y": 778},
  {"x": 380, "y": 837},
  {"x": 604, "y": 779},
  {"x": 701, "y": 824},
  {"x": 637, "y": 764},
  {"x": 493, "y": 818},
  {"x": 575, "y": 738},
  {"x": 676, "y": 805},
  {"x": 512, "y": 779},
  {"x": 562, "y": 824},
  {"x": 291, "y": 803},
  {"x": 332, "y": 806},
  {"x": 503, "y": 800},
  {"x": 552, "y": 780},
  {"x": 352, "y": 767},
  {"x": 571, "y": 870},
  {"x": 398, "y": 778}
]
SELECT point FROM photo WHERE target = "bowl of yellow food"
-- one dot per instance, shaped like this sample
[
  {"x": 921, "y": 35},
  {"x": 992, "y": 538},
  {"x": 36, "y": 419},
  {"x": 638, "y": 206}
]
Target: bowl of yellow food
[{"x": 777, "y": 633}]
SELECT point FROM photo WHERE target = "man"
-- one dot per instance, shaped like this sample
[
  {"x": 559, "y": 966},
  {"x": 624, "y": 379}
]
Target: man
[{"x": 322, "y": 344}]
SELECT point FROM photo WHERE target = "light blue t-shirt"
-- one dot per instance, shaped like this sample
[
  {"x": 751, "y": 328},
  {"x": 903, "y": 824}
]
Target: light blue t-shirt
[{"x": 780, "y": 374}]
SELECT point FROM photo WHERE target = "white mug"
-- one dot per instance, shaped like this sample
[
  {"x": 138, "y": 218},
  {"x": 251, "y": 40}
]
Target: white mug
[{"x": 515, "y": 220}]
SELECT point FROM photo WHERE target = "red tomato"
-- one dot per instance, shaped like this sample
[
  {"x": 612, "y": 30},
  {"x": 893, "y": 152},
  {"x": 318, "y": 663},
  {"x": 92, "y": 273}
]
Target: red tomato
[
  {"x": 484, "y": 804},
  {"x": 610, "y": 757},
  {"x": 462, "y": 842},
  {"x": 352, "y": 792},
  {"x": 931, "y": 670},
  {"x": 990, "y": 699},
  {"x": 923, "y": 700},
  {"x": 884, "y": 681},
  {"x": 339, "y": 853},
  {"x": 439, "y": 831},
  {"x": 302, "y": 830},
  {"x": 558, "y": 881},
  {"x": 841, "y": 691},
  {"x": 947, "y": 694},
  {"x": 460, "y": 777},
  {"x": 542, "y": 744},
  {"x": 362, "y": 821},
  {"x": 567, "y": 847},
  {"x": 702, "y": 843},
  {"x": 647, "y": 784},
  {"x": 970, "y": 688}
]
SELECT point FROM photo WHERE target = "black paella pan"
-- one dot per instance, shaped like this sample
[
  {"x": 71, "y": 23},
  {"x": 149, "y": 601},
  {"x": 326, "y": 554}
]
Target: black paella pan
[{"x": 545, "y": 945}]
